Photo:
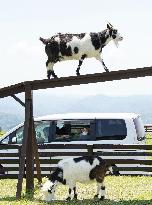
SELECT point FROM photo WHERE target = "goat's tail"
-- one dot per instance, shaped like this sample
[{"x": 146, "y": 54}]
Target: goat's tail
[
  {"x": 114, "y": 170},
  {"x": 45, "y": 41}
]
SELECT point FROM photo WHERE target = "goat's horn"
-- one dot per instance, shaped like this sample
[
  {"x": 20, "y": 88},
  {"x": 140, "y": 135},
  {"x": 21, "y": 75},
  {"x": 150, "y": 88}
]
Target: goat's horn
[{"x": 110, "y": 24}]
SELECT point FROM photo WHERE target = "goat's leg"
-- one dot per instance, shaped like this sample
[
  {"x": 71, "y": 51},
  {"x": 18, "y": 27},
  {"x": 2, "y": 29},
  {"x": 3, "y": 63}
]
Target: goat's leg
[
  {"x": 50, "y": 71},
  {"x": 75, "y": 193},
  {"x": 100, "y": 191},
  {"x": 101, "y": 60},
  {"x": 70, "y": 195},
  {"x": 72, "y": 187},
  {"x": 80, "y": 63}
]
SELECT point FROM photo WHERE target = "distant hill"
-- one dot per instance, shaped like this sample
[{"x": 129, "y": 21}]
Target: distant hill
[
  {"x": 8, "y": 121},
  {"x": 11, "y": 113}
]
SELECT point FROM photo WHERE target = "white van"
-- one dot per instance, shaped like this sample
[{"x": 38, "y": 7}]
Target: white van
[
  {"x": 83, "y": 128},
  {"x": 102, "y": 128}
]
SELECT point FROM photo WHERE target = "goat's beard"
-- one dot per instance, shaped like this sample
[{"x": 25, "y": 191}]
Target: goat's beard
[
  {"x": 46, "y": 196},
  {"x": 116, "y": 43}
]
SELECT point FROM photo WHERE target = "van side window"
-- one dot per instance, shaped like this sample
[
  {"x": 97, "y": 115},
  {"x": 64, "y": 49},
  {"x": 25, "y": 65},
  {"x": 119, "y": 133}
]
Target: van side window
[
  {"x": 111, "y": 129},
  {"x": 72, "y": 130},
  {"x": 42, "y": 129},
  {"x": 18, "y": 138}
]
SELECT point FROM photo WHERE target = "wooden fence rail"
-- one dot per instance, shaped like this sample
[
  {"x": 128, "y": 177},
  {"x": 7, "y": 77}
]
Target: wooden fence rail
[
  {"x": 76, "y": 80},
  {"x": 148, "y": 128},
  {"x": 134, "y": 158},
  {"x": 94, "y": 146}
]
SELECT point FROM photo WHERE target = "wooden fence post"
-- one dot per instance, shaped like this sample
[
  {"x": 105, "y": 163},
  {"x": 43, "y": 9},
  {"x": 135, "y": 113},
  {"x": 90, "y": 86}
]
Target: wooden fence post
[
  {"x": 24, "y": 150},
  {"x": 29, "y": 147},
  {"x": 36, "y": 155},
  {"x": 90, "y": 149}
]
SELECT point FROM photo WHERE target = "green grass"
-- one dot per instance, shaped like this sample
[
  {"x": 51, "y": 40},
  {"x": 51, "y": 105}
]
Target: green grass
[
  {"x": 122, "y": 190},
  {"x": 149, "y": 139}
]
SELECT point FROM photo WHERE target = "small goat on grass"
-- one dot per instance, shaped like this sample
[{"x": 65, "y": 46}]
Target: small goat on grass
[
  {"x": 80, "y": 169},
  {"x": 78, "y": 47}
]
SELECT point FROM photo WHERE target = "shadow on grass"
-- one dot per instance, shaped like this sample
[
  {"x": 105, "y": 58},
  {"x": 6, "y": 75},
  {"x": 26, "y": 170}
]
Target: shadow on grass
[
  {"x": 105, "y": 202},
  {"x": 23, "y": 198},
  {"x": 8, "y": 198},
  {"x": 78, "y": 202},
  {"x": 26, "y": 196}
]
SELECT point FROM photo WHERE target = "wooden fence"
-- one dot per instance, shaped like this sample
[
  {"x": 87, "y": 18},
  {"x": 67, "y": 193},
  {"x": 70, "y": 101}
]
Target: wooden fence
[
  {"x": 9, "y": 159},
  {"x": 148, "y": 128},
  {"x": 29, "y": 148},
  {"x": 131, "y": 159}
]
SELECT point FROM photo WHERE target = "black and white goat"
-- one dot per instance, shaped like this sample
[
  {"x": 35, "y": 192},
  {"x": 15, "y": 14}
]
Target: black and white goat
[
  {"x": 78, "y": 47},
  {"x": 80, "y": 169}
]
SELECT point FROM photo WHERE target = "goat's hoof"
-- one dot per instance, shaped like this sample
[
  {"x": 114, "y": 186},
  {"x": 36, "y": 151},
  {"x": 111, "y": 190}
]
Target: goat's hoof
[
  {"x": 107, "y": 71},
  {"x": 76, "y": 196},
  {"x": 49, "y": 73},
  {"x": 48, "y": 76},
  {"x": 68, "y": 199},
  {"x": 96, "y": 196},
  {"x": 102, "y": 198},
  {"x": 77, "y": 73}
]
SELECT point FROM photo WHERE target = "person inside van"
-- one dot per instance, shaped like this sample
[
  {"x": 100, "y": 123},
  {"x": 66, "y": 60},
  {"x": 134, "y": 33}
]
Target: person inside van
[
  {"x": 40, "y": 137},
  {"x": 63, "y": 133},
  {"x": 84, "y": 135}
]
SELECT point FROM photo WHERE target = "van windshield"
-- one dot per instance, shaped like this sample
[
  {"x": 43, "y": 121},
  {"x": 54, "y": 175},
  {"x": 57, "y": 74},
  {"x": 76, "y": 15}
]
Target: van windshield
[{"x": 111, "y": 129}]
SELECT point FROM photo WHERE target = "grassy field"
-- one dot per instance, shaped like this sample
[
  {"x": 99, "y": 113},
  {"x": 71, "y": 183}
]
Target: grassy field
[{"x": 121, "y": 190}]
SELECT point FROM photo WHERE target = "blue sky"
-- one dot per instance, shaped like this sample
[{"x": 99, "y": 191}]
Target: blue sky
[{"x": 23, "y": 56}]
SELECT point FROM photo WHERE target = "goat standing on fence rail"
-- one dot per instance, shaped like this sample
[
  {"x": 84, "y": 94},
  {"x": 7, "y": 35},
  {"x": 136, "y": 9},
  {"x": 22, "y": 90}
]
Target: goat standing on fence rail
[
  {"x": 80, "y": 169},
  {"x": 78, "y": 47}
]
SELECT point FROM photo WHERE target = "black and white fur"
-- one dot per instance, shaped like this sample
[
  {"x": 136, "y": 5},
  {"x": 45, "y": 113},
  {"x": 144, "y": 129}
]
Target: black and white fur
[
  {"x": 68, "y": 46},
  {"x": 80, "y": 169}
]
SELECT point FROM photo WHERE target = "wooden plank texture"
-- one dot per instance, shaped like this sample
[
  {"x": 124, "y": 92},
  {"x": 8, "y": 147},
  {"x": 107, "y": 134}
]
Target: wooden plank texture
[
  {"x": 95, "y": 146},
  {"x": 25, "y": 140},
  {"x": 92, "y": 78},
  {"x": 76, "y": 80},
  {"x": 9, "y": 146}
]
